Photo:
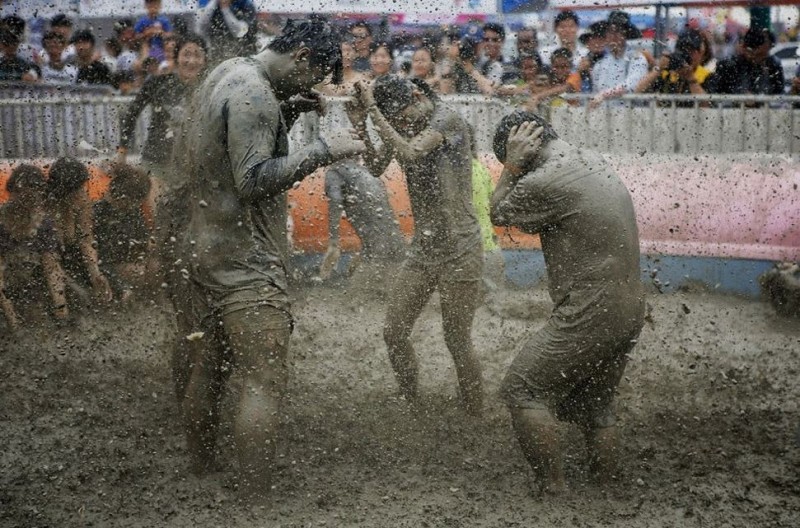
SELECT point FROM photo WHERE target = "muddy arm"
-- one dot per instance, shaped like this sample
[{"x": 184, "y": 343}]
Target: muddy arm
[
  {"x": 254, "y": 123},
  {"x": 405, "y": 150},
  {"x": 56, "y": 283},
  {"x": 5, "y": 303}
]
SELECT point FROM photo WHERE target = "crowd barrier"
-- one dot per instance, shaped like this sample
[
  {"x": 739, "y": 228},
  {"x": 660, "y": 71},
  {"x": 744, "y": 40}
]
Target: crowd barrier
[
  {"x": 681, "y": 124},
  {"x": 48, "y": 123}
]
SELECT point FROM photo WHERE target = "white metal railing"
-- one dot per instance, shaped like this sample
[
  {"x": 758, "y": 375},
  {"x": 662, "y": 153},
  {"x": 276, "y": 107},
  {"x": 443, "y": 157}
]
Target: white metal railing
[
  {"x": 86, "y": 124},
  {"x": 682, "y": 124}
]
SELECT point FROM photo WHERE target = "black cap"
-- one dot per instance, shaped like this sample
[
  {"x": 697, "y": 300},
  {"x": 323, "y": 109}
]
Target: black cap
[
  {"x": 123, "y": 24},
  {"x": 756, "y": 37}
]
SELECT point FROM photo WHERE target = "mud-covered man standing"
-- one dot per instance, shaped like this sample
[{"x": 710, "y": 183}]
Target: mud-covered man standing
[
  {"x": 431, "y": 143},
  {"x": 233, "y": 305},
  {"x": 569, "y": 369}
]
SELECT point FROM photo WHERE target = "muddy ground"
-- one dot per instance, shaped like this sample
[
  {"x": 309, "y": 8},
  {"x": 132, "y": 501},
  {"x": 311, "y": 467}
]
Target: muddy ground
[{"x": 90, "y": 432}]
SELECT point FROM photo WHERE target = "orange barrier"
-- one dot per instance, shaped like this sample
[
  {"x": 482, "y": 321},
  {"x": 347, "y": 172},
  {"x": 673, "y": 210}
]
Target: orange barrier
[
  {"x": 96, "y": 187},
  {"x": 309, "y": 207}
]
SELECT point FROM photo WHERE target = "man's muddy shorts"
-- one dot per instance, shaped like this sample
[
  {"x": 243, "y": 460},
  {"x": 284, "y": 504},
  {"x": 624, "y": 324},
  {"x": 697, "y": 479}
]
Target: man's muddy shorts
[
  {"x": 466, "y": 268},
  {"x": 573, "y": 376},
  {"x": 208, "y": 306}
]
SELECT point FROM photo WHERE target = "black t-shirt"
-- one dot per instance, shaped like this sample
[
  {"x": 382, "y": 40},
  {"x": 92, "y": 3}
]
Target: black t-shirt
[
  {"x": 737, "y": 75},
  {"x": 95, "y": 73},
  {"x": 13, "y": 68},
  {"x": 166, "y": 96}
]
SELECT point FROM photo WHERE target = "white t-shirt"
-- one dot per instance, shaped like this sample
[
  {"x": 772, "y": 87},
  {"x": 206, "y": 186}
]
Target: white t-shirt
[
  {"x": 626, "y": 71},
  {"x": 66, "y": 75}
]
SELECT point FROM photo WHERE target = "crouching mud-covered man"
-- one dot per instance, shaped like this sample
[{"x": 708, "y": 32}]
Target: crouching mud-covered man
[
  {"x": 233, "y": 306},
  {"x": 569, "y": 369},
  {"x": 431, "y": 143}
]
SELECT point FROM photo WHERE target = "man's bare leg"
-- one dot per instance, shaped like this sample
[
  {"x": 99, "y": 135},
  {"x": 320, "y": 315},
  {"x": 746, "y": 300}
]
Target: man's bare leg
[
  {"x": 259, "y": 342},
  {"x": 537, "y": 433},
  {"x": 409, "y": 295},
  {"x": 459, "y": 302},
  {"x": 602, "y": 444},
  {"x": 201, "y": 404}
]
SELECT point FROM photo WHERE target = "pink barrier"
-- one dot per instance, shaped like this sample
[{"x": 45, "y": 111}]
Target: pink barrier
[{"x": 715, "y": 207}]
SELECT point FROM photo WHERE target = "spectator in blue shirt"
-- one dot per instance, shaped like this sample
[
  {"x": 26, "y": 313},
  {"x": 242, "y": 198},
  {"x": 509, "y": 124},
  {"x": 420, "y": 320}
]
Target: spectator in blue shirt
[{"x": 152, "y": 28}]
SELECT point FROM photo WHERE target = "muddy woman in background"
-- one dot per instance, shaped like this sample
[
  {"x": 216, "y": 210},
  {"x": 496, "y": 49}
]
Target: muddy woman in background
[
  {"x": 431, "y": 143},
  {"x": 569, "y": 369},
  {"x": 167, "y": 96}
]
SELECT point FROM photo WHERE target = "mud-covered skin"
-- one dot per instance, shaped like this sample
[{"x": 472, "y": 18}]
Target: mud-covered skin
[
  {"x": 231, "y": 295},
  {"x": 239, "y": 170},
  {"x": 585, "y": 217},
  {"x": 440, "y": 189},
  {"x": 352, "y": 189},
  {"x": 446, "y": 251}
]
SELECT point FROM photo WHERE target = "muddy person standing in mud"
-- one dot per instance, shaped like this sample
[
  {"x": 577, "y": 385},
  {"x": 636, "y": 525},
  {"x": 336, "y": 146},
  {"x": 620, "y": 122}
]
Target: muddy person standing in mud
[
  {"x": 431, "y": 144},
  {"x": 569, "y": 369},
  {"x": 233, "y": 305}
]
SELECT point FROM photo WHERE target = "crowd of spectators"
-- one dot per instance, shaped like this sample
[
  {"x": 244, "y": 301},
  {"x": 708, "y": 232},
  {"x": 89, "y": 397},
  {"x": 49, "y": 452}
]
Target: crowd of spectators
[
  {"x": 138, "y": 50},
  {"x": 604, "y": 62},
  {"x": 599, "y": 60}
]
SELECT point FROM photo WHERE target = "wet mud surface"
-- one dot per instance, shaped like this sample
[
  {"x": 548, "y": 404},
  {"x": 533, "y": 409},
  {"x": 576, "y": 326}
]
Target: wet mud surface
[{"x": 91, "y": 436}]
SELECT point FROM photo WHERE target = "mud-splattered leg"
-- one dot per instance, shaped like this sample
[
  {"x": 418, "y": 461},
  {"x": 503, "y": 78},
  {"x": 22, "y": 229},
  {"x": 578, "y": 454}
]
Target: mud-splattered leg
[
  {"x": 459, "y": 300},
  {"x": 411, "y": 291},
  {"x": 537, "y": 434},
  {"x": 259, "y": 341}
]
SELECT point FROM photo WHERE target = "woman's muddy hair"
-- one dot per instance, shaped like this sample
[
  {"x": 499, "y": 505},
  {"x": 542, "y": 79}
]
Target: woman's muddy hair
[
  {"x": 66, "y": 176},
  {"x": 26, "y": 177},
  {"x": 515, "y": 119},
  {"x": 317, "y": 35},
  {"x": 393, "y": 94}
]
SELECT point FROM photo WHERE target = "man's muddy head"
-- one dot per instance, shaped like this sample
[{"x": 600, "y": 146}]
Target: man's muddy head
[
  {"x": 322, "y": 42},
  {"x": 515, "y": 119},
  {"x": 26, "y": 184},
  {"x": 66, "y": 176}
]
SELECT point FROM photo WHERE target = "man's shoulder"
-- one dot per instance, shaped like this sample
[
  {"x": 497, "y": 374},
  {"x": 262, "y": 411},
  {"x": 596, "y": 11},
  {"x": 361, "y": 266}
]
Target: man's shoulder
[{"x": 239, "y": 81}]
